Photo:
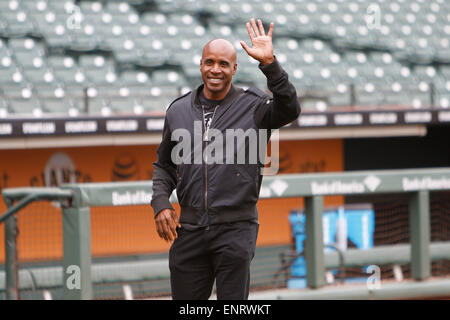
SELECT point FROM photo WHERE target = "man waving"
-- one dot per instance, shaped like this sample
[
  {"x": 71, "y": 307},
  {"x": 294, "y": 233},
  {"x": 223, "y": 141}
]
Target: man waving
[{"x": 215, "y": 236}]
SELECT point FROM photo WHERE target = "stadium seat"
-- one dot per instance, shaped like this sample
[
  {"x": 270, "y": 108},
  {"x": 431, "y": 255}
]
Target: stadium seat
[
  {"x": 26, "y": 45},
  {"x": 319, "y": 43},
  {"x": 49, "y": 91},
  {"x": 98, "y": 106},
  {"x": 168, "y": 77},
  {"x": 25, "y": 107},
  {"x": 101, "y": 76},
  {"x": 6, "y": 63},
  {"x": 11, "y": 75},
  {"x": 41, "y": 75},
  {"x": 443, "y": 100},
  {"x": 158, "y": 104},
  {"x": 17, "y": 23},
  {"x": 426, "y": 73},
  {"x": 62, "y": 106},
  {"x": 341, "y": 96},
  {"x": 124, "y": 105},
  {"x": 71, "y": 76},
  {"x": 61, "y": 62},
  {"x": 134, "y": 77}
]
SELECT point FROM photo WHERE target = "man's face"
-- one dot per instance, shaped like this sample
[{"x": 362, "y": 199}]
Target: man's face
[{"x": 218, "y": 65}]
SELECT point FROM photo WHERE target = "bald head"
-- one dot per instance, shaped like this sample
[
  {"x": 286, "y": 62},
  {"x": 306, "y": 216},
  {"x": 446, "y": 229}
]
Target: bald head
[
  {"x": 218, "y": 65},
  {"x": 220, "y": 46}
]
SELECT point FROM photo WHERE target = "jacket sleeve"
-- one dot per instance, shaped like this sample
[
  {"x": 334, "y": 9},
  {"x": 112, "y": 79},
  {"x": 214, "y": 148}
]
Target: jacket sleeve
[
  {"x": 284, "y": 107},
  {"x": 164, "y": 173}
]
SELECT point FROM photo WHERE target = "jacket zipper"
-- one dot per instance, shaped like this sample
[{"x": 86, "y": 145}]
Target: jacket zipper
[{"x": 205, "y": 140}]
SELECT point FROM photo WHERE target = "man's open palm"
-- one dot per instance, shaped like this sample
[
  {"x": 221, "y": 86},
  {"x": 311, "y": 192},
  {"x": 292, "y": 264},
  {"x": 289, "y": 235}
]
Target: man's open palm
[{"x": 262, "y": 47}]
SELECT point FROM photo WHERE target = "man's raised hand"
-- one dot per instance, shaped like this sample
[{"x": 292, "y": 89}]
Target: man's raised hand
[{"x": 262, "y": 47}]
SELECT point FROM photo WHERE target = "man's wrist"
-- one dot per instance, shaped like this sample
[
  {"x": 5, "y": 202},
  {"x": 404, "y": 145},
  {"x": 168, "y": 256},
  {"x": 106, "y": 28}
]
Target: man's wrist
[
  {"x": 267, "y": 61},
  {"x": 160, "y": 204}
]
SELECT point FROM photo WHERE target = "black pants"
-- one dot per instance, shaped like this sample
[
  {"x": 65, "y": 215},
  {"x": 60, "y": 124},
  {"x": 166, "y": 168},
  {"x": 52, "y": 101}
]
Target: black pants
[{"x": 222, "y": 252}]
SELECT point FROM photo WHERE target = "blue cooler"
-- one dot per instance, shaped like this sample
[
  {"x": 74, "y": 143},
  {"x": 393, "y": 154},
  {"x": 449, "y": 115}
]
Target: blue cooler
[{"x": 349, "y": 226}]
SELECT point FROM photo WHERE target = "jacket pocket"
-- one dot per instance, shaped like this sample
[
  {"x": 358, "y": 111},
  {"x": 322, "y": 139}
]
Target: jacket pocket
[
  {"x": 231, "y": 185},
  {"x": 189, "y": 185}
]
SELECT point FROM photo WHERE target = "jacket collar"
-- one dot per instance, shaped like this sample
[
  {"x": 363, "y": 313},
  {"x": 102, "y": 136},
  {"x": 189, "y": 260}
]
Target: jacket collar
[{"x": 231, "y": 95}]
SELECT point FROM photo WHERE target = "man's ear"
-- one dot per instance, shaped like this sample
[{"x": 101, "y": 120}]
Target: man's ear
[{"x": 234, "y": 68}]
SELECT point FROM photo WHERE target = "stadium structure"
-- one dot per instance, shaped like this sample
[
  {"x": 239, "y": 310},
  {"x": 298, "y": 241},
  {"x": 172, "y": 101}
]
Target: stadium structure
[{"x": 84, "y": 86}]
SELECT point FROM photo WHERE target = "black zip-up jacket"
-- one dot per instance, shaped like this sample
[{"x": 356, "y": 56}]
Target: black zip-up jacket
[{"x": 217, "y": 193}]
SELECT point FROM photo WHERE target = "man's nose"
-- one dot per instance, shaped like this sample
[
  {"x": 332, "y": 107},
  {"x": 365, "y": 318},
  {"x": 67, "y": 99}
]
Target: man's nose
[{"x": 215, "y": 68}]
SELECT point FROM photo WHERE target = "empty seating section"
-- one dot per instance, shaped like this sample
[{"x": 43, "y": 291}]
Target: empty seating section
[{"x": 136, "y": 56}]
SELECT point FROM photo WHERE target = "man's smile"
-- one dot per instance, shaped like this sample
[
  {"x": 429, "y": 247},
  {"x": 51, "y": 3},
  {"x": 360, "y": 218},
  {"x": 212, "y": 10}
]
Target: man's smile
[{"x": 215, "y": 80}]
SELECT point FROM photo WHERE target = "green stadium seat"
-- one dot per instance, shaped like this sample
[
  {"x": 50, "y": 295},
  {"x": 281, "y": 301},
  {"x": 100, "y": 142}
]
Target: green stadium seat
[
  {"x": 441, "y": 84},
  {"x": 75, "y": 90},
  {"x": 29, "y": 60},
  {"x": 11, "y": 76},
  {"x": 41, "y": 75},
  {"x": 420, "y": 100},
  {"x": 63, "y": 106},
  {"x": 442, "y": 55},
  {"x": 397, "y": 99},
  {"x": 25, "y": 107},
  {"x": 137, "y": 91},
  {"x": 26, "y": 45},
  {"x": 443, "y": 100},
  {"x": 61, "y": 6},
  {"x": 124, "y": 106},
  {"x": 98, "y": 106},
  {"x": 61, "y": 62},
  {"x": 91, "y": 7},
  {"x": 154, "y": 19},
  {"x": 131, "y": 55},
  {"x": 133, "y": 77},
  {"x": 168, "y": 77},
  {"x": 315, "y": 104},
  {"x": 9, "y": 6},
  {"x": 85, "y": 38},
  {"x": 338, "y": 100},
  {"x": 126, "y": 20},
  {"x": 95, "y": 61},
  {"x": 173, "y": 32},
  {"x": 108, "y": 91},
  {"x": 426, "y": 73},
  {"x": 71, "y": 76},
  {"x": 23, "y": 90},
  {"x": 49, "y": 91},
  {"x": 33, "y": 6},
  {"x": 101, "y": 76},
  {"x": 17, "y": 24},
  {"x": 58, "y": 41},
  {"x": 121, "y": 7},
  {"x": 445, "y": 71},
  {"x": 355, "y": 58},
  {"x": 4, "y": 108},
  {"x": 154, "y": 58},
  {"x": 191, "y": 67},
  {"x": 3, "y": 46},
  {"x": 221, "y": 31},
  {"x": 158, "y": 104},
  {"x": 6, "y": 62},
  {"x": 286, "y": 45}
]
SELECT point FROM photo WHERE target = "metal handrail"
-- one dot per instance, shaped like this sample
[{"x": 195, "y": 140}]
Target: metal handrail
[{"x": 25, "y": 199}]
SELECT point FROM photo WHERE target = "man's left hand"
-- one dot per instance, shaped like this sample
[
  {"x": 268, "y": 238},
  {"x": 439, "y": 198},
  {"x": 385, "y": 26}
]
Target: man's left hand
[{"x": 262, "y": 47}]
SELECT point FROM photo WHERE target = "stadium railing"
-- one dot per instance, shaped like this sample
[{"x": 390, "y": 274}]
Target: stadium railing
[{"x": 77, "y": 199}]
